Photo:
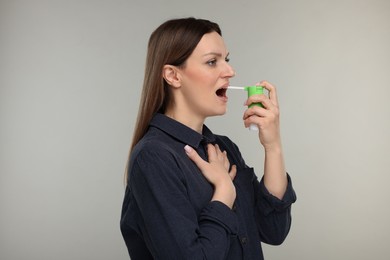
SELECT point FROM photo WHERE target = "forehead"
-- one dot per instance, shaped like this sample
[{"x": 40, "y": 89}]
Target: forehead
[{"x": 211, "y": 43}]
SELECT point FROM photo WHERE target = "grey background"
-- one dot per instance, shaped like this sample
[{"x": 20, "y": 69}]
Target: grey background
[{"x": 70, "y": 77}]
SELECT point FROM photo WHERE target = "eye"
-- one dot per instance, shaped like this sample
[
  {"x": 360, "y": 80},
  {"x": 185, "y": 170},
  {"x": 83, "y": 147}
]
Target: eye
[
  {"x": 227, "y": 59},
  {"x": 212, "y": 62}
]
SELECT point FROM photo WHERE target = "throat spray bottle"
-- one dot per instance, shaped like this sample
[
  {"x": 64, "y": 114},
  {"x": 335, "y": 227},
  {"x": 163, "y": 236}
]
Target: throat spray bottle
[{"x": 251, "y": 90}]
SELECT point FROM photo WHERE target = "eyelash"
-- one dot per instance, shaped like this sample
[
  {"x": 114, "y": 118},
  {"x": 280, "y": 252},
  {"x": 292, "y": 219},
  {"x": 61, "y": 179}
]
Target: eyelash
[{"x": 214, "y": 61}]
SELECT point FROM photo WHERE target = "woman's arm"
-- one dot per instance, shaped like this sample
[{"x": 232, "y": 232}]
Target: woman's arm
[
  {"x": 267, "y": 120},
  {"x": 170, "y": 225}
]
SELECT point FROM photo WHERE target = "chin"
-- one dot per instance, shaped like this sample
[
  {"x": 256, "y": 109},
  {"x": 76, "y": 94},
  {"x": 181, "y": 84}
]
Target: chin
[{"x": 218, "y": 113}]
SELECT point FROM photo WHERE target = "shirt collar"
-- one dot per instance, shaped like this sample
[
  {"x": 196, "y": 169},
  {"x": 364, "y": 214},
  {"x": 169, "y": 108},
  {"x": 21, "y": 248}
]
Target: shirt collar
[{"x": 182, "y": 132}]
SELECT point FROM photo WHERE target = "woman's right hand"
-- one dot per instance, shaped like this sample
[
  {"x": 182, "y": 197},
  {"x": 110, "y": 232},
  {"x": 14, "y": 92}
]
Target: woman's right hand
[{"x": 216, "y": 171}]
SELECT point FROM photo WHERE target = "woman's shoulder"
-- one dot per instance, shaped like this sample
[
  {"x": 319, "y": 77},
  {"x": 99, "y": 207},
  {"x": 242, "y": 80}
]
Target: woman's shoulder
[{"x": 152, "y": 145}]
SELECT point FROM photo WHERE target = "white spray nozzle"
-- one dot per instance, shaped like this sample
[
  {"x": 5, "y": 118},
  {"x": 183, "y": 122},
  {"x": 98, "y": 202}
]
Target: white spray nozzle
[{"x": 235, "y": 87}]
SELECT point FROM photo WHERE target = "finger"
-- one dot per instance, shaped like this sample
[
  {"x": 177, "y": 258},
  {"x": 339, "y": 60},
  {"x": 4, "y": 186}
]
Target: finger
[
  {"x": 226, "y": 162},
  {"x": 222, "y": 156},
  {"x": 260, "y": 117},
  {"x": 211, "y": 152},
  {"x": 270, "y": 106},
  {"x": 194, "y": 156},
  {"x": 255, "y": 111},
  {"x": 263, "y": 99},
  {"x": 218, "y": 152},
  {"x": 233, "y": 172},
  {"x": 271, "y": 90},
  {"x": 253, "y": 120}
]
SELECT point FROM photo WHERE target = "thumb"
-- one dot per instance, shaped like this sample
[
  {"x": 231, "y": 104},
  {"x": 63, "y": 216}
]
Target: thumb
[{"x": 194, "y": 156}]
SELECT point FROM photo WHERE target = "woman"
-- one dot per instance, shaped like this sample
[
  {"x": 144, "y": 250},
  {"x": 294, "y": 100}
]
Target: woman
[{"x": 189, "y": 193}]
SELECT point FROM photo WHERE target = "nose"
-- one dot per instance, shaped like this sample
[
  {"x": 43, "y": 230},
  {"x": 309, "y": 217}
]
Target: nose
[{"x": 229, "y": 71}]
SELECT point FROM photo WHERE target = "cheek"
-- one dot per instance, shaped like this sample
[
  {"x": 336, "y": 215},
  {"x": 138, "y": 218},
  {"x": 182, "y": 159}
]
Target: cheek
[
  {"x": 200, "y": 75},
  {"x": 197, "y": 76}
]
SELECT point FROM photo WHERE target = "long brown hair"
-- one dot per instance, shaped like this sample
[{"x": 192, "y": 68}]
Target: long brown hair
[{"x": 171, "y": 43}]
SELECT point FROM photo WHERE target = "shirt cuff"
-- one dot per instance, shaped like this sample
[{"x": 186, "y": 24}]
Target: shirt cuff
[
  {"x": 221, "y": 214},
  {"x": 272, "y": 203}
]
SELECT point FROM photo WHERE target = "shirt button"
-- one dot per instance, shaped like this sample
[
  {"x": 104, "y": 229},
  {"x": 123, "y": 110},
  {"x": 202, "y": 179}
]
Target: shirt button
[{"x": 244, "y": 240}]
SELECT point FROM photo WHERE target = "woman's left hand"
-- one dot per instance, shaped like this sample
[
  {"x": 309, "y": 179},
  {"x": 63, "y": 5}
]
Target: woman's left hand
[{"x": 266, "y": 117}]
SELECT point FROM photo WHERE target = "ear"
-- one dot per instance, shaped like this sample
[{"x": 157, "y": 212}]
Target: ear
[{"x": 170, "y": 74}]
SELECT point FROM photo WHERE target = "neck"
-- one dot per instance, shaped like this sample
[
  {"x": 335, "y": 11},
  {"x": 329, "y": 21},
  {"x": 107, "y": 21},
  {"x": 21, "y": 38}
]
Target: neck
[{"x": 195, "y": 124}]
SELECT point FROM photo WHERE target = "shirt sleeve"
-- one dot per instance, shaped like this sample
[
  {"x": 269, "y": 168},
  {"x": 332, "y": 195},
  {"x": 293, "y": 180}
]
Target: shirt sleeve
[
  {"x": 273, "y": 215},
  {"x": 172, "y": 229}
]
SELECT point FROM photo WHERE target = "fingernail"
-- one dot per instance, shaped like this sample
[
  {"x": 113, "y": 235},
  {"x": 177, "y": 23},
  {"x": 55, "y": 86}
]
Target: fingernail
[{"x": 187, "y": 148}]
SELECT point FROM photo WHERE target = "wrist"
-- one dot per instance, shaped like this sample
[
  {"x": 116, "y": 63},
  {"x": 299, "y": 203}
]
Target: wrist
[
  {"x": 225, "y": 192},
  {"x": 273, "y": 147}
]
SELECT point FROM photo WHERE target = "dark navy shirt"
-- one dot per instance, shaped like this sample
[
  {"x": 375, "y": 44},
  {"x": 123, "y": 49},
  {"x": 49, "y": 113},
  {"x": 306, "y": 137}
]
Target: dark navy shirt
[{"x": 167, "y": 210}]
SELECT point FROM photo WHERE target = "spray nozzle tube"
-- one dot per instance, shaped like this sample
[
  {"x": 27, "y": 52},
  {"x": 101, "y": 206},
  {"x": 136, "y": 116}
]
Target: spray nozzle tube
[{"x": 252, "y": 90}]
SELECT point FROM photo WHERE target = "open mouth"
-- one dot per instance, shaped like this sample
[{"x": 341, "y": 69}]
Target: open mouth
[{"x": 221, "y": 92}]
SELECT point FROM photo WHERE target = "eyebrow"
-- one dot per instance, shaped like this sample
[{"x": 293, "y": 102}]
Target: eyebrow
[{"x": 216, "y": 54}]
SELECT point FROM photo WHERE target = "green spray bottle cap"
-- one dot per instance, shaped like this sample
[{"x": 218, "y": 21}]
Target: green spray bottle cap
[{"x": 254, "y": 90}]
